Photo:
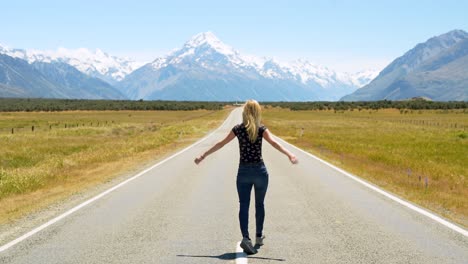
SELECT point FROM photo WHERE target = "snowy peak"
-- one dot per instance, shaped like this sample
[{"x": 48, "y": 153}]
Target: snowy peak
[
  {"x": 203, "y": 38},
  {"x": 205, "y": 50},
  {"x": 209, "y": 52},
  {"x": 208, "y": 39},
  {"x": 362, "y": 78},
  {"x": 95, "y": 63},
  {"x": 15, "y": 53},
  {"x": 306, "y": 71},
  {"x": 273, "y": 69}
]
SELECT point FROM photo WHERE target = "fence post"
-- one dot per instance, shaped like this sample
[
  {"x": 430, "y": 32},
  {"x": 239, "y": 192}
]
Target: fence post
[
  {"x": 426, "y": 184},
  {"x": 12, "y": 130},
  {"x": 32, "y": 128}
]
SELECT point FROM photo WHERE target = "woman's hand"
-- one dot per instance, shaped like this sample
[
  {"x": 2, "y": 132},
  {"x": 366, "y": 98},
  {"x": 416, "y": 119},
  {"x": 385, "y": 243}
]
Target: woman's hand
[
  {"x": 215, "y": 148},
  {"x": 199, "y": 159},
  {"x": 293, "y": 159}
]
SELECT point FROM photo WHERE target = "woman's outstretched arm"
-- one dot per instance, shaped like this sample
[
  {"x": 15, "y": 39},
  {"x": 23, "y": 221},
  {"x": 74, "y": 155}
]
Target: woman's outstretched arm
[
  {"x": 267, "y": 136},
  {"x": 216, "y": 147}
]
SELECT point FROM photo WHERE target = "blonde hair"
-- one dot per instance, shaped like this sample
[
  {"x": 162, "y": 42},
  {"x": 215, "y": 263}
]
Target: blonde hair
[{"x": 251, "y": 117}]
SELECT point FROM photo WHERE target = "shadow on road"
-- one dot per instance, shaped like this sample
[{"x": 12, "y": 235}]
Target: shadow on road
[{"x": 229, "y": 256}]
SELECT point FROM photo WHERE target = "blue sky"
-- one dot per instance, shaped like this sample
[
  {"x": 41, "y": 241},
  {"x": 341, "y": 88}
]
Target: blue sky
[{"x": 343, "y": 35}]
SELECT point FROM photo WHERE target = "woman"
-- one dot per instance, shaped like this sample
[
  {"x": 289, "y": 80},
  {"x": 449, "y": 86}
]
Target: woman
[{"x": 252, "y": 170}]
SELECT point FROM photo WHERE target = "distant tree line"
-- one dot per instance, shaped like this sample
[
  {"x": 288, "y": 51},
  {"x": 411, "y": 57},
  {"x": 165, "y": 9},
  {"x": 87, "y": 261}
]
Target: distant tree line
[
  {"x": 23, "y": 104},
  {"x": 374, "y": 105},
  {"x": 29, "y": 105}
]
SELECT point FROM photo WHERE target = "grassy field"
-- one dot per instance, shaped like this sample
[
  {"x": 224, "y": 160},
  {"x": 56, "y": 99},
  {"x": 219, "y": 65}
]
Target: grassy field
[
  {"x": 397, "y": 150},
  {"x": 66, "y": 152}
]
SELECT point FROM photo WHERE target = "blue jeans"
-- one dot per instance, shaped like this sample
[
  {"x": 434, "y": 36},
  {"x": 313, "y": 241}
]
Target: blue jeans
[{"x": 249, "y": 175}]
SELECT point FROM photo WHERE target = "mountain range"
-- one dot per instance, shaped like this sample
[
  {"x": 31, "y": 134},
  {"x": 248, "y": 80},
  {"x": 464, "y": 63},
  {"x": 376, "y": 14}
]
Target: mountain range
[
  {"x": 96, "y": 63},
  {"x": 436, "y": 69},
  {"x": 18, "y": 78},
  {"x": 203, "y": 69},
  {"x": 207, "y": 69}
]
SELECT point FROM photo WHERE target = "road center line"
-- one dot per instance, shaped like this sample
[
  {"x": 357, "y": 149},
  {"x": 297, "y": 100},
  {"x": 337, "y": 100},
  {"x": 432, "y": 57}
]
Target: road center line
[
  {"x": 99, "y": 196},
  {"x": 241, "y": 257},
  {"x": 388, "y": 195}
]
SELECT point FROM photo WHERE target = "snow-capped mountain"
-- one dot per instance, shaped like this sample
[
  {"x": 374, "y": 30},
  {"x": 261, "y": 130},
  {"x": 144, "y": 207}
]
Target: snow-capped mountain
[
  {"x": 18, "y": 78},
  {"x": 362, "y": 78},
  {"x": 93, "y": 63},
  {"x": 205, "y": 68},
  {"x": 212, "y": 70},
  {"x": 201, "y": 48},
  {"x": 301, "y": 70}
]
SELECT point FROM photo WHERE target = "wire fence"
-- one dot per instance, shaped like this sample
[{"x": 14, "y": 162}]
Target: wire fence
[{"x": 36, "y": 128}]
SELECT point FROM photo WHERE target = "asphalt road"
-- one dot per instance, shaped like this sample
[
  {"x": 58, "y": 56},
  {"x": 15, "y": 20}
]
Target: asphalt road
[{"x": 182, "y": 213}]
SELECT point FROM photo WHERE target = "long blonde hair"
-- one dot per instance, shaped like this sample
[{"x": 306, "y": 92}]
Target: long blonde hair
[{"x": 251, "y": 117}]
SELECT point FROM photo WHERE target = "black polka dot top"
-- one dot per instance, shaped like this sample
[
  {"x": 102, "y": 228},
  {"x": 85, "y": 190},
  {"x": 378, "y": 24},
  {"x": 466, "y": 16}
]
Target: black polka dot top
[{"x": 249, "y": 152}]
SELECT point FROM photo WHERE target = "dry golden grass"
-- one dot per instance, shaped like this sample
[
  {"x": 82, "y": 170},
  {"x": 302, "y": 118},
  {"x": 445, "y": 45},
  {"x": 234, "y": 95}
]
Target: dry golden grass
[
  {"x": 394, "y": 150},
  {"x": 52, "y": 162}
]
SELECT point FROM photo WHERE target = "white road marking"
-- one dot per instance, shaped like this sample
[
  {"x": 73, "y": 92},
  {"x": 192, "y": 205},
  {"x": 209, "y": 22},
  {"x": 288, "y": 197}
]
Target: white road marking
[
  {"x": 241, "y": 257},
  {"x": 97, "y": 197},
  {"x": 392, "y": 197}
]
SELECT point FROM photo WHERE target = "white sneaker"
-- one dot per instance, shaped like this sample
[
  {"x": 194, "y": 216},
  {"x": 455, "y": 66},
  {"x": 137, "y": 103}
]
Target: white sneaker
[
  {"x": 247, "y": 246},
  {"x": 259, "y": 240}
]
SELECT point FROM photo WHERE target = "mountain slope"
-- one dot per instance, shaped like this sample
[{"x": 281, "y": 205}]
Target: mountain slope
[
  {"x": 75, "y": 83},
  {"x": 18, "y": 78},
  {"x": 93, "y": 63},
  {"x": 207, "y": 69},
  {"x": 437, "y": 69}
]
